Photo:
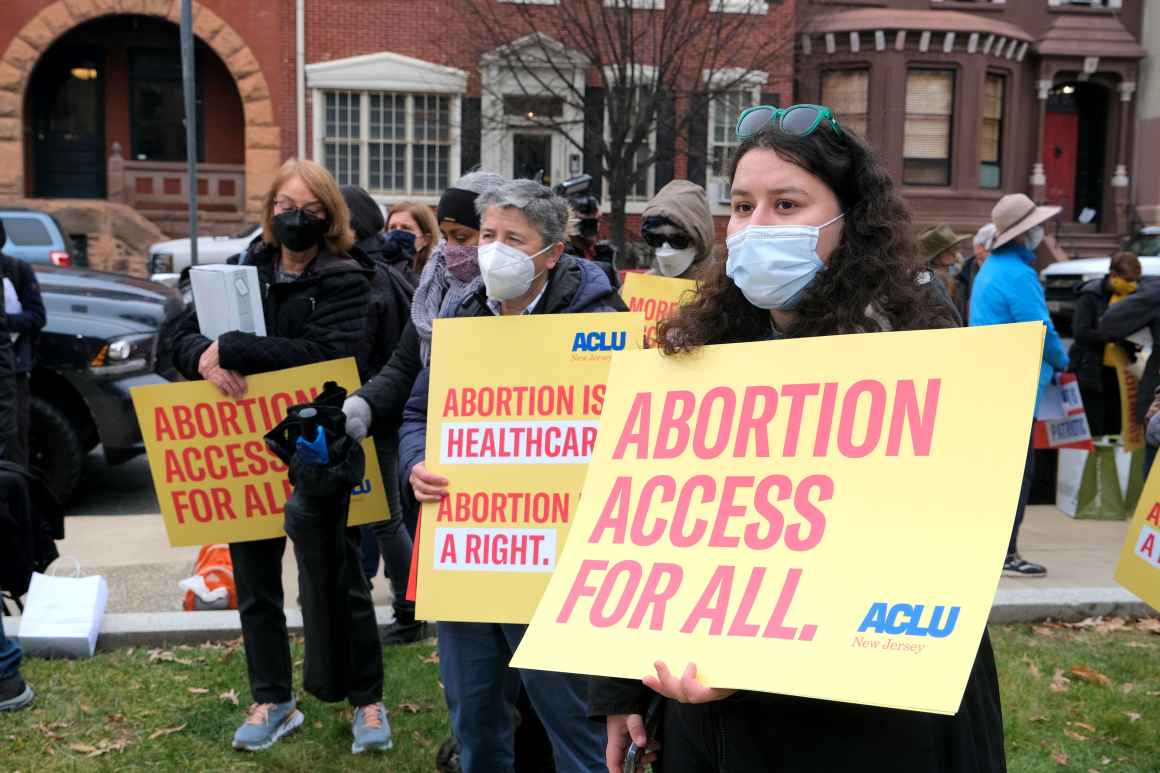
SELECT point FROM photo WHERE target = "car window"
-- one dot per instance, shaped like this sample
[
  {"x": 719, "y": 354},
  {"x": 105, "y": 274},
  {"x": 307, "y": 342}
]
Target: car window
[
  {"x": 247, "y": 233},
  {"x": 27, "y": 232}
]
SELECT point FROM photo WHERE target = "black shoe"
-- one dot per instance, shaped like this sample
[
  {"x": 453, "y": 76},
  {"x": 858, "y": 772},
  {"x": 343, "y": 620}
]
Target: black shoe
[
  {"x": 15, "y": 694},
  {"x": 1015, "y": 566},
  {"x": 405, "y": 633}
]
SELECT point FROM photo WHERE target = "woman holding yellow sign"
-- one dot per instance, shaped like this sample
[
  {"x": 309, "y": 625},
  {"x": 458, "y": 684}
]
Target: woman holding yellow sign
[{"x": 819, "y": 244}]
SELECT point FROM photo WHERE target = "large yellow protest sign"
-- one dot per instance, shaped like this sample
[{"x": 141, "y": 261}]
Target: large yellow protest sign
[
  {"x": 656, "y": 297},
  {"x": 215, "y": 479},
  {"x": 512, "y": 414},
  {"x": 1139, "y": 567},
  {"x": 1131, "y": 428},
  {"x": 791, "y": 515}
]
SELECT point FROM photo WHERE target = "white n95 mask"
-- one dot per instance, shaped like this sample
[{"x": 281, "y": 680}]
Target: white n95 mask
[
  {"x": 507, "y": 272},
  {"x": 773, "y": 265}
]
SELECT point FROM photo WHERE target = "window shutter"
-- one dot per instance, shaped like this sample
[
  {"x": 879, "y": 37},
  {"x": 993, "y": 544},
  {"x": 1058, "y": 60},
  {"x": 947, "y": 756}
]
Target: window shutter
[
  {"x": 929, "y": 95},
  {"x": 593, "y": 136},
  {"x": 698, "y": 140},
  {"x": 471, "y": 135},
  {"x": 666, "y": 141},
  {"x": 847, "y": 93},
  {"x": 992, "y": 119}
]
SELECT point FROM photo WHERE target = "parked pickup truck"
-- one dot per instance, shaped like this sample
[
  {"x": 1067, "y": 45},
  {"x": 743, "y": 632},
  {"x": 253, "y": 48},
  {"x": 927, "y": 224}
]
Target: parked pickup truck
[{"x": 102, "y": 338}]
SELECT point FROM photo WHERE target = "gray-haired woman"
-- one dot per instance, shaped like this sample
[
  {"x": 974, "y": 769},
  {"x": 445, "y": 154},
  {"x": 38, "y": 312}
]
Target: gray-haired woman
[
  {"x": 449, "y": 276},
  {"x": 525, "y": 271}
]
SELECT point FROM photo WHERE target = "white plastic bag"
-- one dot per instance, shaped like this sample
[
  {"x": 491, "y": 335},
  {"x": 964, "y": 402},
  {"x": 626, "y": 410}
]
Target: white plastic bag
[{"x": 62, "y": 615}]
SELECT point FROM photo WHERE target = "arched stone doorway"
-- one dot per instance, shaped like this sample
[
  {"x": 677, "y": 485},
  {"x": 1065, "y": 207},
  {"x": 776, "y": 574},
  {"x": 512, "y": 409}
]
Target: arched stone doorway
[{"x": 18, "y": 62}]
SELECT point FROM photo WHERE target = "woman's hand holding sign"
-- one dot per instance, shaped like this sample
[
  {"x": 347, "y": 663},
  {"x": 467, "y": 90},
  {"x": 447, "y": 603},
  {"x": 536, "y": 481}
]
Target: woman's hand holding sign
[
  {"x": 428, "y": 486},
  {"x": 230, "y": 383},
  {"x": 685, "y": 689}
]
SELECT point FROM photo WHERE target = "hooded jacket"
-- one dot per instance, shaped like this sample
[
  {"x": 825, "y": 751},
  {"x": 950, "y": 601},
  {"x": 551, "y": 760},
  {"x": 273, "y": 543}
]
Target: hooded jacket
[
  {"x": 1087, "y": 353},
  {"x": 687, "y": 206},
  {"x": 575, "y": 286},
  {"x": 1007, "y": 290},
  {"x": 320, "y": 316},
  {"x": 30, "y": 320},
  {"x": 1139, "y": 310}
]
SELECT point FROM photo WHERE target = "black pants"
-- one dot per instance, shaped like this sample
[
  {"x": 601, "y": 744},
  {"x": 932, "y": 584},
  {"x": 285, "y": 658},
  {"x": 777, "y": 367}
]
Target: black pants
[
  {"x": 258, "y": 575},
  {"x": 344, "y": 656},
  {"x": 8, "y": 420},
  {"x": 19, "y": 454},
  {"x": 391, "y": 538},
  {"x": 1024, "y": 495}
]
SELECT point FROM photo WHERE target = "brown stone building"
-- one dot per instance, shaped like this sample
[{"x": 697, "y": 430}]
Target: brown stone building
[
  {"x": 395, "y": 95},
  {"x": 967, "y": 100}
]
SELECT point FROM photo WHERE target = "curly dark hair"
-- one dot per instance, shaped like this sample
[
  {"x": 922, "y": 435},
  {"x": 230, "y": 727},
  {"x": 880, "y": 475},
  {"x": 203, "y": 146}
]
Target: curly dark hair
[{"x": 874, "y": 266}]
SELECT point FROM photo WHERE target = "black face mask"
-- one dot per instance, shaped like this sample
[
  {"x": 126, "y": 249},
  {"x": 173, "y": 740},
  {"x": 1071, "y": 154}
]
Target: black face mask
[{"x": 298, "y": 231}]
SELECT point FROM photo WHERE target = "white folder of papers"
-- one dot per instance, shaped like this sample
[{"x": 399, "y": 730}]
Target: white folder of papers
[{"x": 227, "y": 298}]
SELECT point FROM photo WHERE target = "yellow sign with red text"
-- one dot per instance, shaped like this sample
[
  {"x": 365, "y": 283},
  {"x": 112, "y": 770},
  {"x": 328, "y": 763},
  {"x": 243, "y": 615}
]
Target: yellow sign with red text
[
  {"x": 513, "y": 409},
  {"x": 790, "y": 516},
  {"x": 1138, "y": 569},
  {"x": 656, "y": 297},
  {"x": 215, "y": 479}
]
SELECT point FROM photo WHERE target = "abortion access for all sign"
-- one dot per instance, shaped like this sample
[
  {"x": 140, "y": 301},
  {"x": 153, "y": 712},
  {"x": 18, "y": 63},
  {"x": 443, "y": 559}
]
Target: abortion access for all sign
[
  {"x": 657, "y": 297},
  {"x": 513, "y": 410},
  {"x": 1138, "y": 569},
  {"x": 791, "y": 517},
  {"x": 215, "y": 479}
]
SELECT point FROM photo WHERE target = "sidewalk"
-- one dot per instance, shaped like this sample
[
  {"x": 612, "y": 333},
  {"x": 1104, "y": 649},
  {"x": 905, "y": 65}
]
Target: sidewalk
[{"x": 132, "y": 552}]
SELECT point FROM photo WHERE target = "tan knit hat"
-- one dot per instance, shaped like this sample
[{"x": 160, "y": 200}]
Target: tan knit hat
[{"x": 1016, "y": 214}]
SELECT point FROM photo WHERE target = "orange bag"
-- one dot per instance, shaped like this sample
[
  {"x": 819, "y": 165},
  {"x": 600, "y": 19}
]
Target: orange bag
[{"x": 212, "y": 584}]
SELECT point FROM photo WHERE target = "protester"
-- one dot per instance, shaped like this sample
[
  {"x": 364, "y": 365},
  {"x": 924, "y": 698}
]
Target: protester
[
  {"x": 1090, "y": 359},
  {"x": 965, "y": 280},
  {"x": 819, "y": 244},
  {"x": 525, "y": 271},
  {"x": 1139, "y": 311},
  {"x": 315, "y": 297},
  {"x": 410, "y": 217},
  {"x": 678, "y": 225},
  {"x": 584, "y": 235},
  {"x": 1007, "y": 290},
  {"x": 389, "y": 313},
  {"x": 25, "y": 311},
  {"x": 939, "y": 250}
]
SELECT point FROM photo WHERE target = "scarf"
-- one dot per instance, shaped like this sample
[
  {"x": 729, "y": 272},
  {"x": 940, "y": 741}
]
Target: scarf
[
  {"x": 438, "y": 295},
  {"x": 1121, "y": 288}
]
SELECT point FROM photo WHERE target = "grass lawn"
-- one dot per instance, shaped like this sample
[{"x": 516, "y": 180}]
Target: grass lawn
[{"x": 166, "y": 710}]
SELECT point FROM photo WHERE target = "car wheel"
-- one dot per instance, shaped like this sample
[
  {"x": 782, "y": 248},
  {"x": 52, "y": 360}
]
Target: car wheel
[{"x": 56, "y": 450}]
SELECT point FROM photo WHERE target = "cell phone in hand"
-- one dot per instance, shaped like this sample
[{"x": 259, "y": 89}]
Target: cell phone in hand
[{"x": 634, "y": 758}]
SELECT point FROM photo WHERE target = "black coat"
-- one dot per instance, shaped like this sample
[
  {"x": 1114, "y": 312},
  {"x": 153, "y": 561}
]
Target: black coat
[
  {"x": 28, "y": 322},
  {"x": 30, "y": 521},
  {"x": 320, "y": 316},
  {"x": 1087, "y": 353},
  {"x": 1139, "y": 310},
  {"x": 392, "y": 289}
]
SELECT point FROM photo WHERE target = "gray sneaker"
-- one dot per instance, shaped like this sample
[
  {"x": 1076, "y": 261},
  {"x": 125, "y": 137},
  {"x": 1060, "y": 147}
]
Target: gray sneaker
[
  {"x": 372, "y": 731},
  {"x": 266, "y": 724},
  {"x": 15, "y": 694}
]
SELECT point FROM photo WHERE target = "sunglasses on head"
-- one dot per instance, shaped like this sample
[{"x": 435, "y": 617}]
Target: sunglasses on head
[
  {"x": 798, "y": 120},
  {"x": 676, "y": 241}
]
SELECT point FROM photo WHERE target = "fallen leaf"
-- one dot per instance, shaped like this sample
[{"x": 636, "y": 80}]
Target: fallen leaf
[
  {"x": 1127, "y": 687},
  {"x": 421, "y": 739},
  {"x": 1037, "y": 718},
  {"x": 1132, "y": 716},
  {"x": 412, "y": 708},
  {"x": 229, "y": 697},
  {"x": 1087, "y": 622},
  {"x": 198, "y": 691},
  {"x": 1150, "y": 624},
  {"x": 82, "y": 748},
  {"x": 164, "y": 731},
  {"x": 86, "y": 709},
  {"x": 1060, "y": 758},
  {"x": 1042, "y": 630},
  {"x": 1090, "y": 675},
  {"x": 1075, "y": 735},
  {"x": 1105, "y": 760},
  {"x": 432, "y": 658},
  {"x": 114, "y": 718},
  {"x": 317, "y": 725},
  {"x": 1059, "y": 682},
  {"x": 1033, "y": 669},
  {"x": 1083, "y": 726},
  {"x": 1141, "y": 645},
  {"x": 1112, "y": 624}
]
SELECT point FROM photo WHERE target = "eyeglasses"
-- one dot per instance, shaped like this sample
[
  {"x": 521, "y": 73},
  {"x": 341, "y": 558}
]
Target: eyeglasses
[
  {"x": 676, "y": 241},
  {"x": 798, "y": 120},
  {"x": 314, "y": 208}
]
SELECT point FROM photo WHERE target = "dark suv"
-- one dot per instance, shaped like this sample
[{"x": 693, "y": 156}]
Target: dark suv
[{"x": 101, "y": 339}]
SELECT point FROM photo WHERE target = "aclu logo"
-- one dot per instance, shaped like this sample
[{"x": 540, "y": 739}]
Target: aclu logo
[
  {"x": 599, "y": 341},
  {"x": 910, "y": 620}
]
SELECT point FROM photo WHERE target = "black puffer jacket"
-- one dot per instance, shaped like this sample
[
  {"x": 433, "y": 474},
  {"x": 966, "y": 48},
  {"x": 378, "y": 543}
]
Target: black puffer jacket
[
  {"x": 320, "y": 316},
  {"x": 1138, "y": 311},
  {"x": 1087, "y": 353}
]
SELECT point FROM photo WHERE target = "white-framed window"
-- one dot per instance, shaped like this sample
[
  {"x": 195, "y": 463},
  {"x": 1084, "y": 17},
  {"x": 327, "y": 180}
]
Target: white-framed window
[
  {"x": 756, "y": 7},
  {"x": 926, "y": 147},
  {"x": 743, "y": 90},
  {"x": 386, "y": 142},
  {"x": 388, "y": 123},
  {"x": 991, "y": 138},
  {"x": 847, "y": 93}
]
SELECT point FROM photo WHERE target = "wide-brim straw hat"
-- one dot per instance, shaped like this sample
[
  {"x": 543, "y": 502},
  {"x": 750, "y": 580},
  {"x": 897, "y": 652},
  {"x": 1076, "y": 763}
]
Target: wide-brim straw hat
[{"x": 1016, "y": 214}]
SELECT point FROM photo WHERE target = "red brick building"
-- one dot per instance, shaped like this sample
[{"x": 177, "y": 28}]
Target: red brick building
[{"x": 398, "y": 96}]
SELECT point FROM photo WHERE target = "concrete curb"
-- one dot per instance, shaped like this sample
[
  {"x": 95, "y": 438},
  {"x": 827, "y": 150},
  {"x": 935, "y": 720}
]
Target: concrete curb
[{"x": 1022, "y": 605}]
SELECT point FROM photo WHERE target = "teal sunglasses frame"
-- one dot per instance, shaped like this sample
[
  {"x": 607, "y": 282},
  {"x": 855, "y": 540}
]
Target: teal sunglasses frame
[{"x": 777, "y": 117}]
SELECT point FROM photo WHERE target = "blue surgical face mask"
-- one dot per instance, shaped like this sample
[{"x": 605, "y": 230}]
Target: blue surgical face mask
[{"x": 773, "y": 265}]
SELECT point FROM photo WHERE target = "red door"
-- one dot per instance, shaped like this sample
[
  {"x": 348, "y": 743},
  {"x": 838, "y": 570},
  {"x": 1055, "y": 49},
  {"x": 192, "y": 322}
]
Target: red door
[{"x": 1060, "y": 145}]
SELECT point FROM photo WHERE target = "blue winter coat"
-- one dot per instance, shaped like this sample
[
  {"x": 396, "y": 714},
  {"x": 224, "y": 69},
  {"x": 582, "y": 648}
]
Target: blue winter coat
[{"x": 1007, "y": 290}]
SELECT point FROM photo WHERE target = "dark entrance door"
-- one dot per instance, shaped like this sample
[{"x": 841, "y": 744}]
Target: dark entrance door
[
  {"x": 1060, "y": 141},
  {"x": 67, "y": 104},
  {"x": 1075, "y": 147},
  {"x": 532, "y": 154}
]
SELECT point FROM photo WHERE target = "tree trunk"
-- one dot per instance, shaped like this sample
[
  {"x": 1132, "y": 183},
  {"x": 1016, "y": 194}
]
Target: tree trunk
[{"x": 617, "y": 200}]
